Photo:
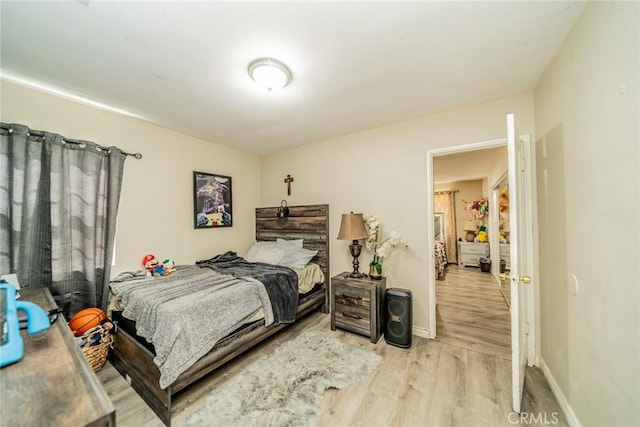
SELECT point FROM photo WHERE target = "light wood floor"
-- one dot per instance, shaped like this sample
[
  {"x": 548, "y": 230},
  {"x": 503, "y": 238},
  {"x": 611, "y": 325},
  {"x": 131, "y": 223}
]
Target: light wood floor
[
  {"x": 432, "y": 383},
  {"x": 471, "y": 312}
]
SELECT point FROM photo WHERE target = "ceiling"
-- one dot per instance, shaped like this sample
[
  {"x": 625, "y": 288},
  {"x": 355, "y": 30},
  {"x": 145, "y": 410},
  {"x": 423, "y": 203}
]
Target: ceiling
[
  {"x": 356, "y": 65},
  {"x": 468, "y": 165}
]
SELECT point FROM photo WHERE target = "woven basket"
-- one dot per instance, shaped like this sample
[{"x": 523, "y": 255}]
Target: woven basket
[{"x": 97, "y": 354}]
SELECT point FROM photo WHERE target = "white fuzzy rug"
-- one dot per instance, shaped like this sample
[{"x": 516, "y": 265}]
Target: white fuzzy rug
[{"x": 286, "y": 387}]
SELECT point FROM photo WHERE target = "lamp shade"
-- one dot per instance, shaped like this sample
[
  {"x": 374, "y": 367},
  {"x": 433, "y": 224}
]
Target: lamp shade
[
  {"x": 470, "y": 226},
  {"x": 505, "y": 227},
  {"x": 352, "y": 227}
]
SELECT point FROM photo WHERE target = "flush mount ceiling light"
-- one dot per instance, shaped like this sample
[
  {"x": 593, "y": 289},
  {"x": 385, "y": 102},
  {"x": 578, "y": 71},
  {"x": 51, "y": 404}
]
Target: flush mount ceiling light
[{"x": 270, "y": 73}]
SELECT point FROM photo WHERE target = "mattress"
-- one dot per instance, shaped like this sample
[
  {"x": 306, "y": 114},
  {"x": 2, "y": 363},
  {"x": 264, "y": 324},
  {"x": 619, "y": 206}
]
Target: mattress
[
  {"x": 129, "y": 325},
  {"x": 310, "y": 281}
]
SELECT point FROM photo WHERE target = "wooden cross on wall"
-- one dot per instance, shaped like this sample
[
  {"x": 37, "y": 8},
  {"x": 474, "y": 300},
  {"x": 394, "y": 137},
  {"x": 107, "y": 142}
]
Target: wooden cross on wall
[{"x": 288, "y": 180}]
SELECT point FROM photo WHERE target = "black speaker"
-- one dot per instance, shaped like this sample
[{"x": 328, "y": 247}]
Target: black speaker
[{"x": 397, "y": 317}]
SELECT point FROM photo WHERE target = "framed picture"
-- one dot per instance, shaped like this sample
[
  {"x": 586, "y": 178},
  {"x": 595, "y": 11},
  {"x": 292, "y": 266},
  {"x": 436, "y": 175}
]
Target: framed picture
[{"x": 212, "y": 205}]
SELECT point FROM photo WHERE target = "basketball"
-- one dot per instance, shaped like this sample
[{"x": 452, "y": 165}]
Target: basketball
[{"x": 86, "y": 319}]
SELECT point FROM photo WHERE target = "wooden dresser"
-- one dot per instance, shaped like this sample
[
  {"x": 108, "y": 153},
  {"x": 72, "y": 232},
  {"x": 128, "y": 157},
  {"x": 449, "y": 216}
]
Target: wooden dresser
[
  {"x": 53, "y": 385},
  {"x": 357, "y": 304},
  {"x": 469, "y": 253}
]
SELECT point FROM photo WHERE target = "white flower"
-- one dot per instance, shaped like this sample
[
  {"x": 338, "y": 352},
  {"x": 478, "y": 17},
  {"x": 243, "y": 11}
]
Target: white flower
[
  {"x": 374, "y": 231},
  {"x": 394, "y": 240},
  {"x": 372, "y": 225}
]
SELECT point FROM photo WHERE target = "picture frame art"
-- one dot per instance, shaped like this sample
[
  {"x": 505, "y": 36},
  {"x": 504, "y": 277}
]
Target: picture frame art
[{"x": 212, "y": 202}]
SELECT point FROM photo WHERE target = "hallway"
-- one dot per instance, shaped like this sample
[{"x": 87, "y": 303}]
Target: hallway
[{"x": 472, "y": 313}]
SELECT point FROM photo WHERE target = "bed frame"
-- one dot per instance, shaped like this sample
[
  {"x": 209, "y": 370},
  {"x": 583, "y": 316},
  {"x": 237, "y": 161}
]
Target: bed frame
[{"x": 135, "y": 362}]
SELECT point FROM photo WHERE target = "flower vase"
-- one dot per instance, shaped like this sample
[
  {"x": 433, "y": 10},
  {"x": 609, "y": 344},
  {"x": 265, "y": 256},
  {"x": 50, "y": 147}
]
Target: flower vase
[{"x": 375, "y": 271}]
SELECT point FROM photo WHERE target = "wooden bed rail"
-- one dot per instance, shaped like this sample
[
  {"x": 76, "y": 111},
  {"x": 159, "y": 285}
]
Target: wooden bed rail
[{"x": 135, "y": 362}]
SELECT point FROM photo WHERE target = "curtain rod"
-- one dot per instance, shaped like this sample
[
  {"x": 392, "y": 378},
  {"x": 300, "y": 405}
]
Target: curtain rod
[
  {"x": 81, "y": 143},
  {"x": 446, "y": 192}
]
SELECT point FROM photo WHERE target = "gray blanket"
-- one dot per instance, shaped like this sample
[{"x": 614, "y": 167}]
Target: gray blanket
[
  {"x": 281, "y": 283},
  {"x": 184, "y": 314}
]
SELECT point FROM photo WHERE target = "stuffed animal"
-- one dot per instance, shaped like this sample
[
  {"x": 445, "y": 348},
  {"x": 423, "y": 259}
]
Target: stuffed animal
[
  {"x": 169, "y": 266},
  {"x": 154, "y": 268}
]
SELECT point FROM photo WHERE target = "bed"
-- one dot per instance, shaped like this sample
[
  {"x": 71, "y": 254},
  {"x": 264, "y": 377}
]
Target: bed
[{"x": 133, "y": 356}]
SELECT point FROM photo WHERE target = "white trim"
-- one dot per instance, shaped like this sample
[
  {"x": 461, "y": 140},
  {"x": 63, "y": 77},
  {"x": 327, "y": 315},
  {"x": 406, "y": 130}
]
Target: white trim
[
  {"x": 419, "y": 331},
  {"x": 571, "y": 417}
]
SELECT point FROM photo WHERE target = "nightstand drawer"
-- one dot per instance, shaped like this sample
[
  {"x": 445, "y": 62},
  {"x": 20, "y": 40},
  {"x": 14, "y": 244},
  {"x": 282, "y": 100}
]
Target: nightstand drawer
[
  {"x": 467, "y": 259},
  {"x": 475, "y": 249},
  {"x": 353, "y": 297},
  {"x": 353, "y": 316}
]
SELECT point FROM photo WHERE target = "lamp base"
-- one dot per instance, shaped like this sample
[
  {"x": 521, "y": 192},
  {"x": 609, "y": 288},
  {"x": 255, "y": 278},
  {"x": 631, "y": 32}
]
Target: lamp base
[
  {"x": 470, "y": 236},
  {"x": 355, "y": 248}
]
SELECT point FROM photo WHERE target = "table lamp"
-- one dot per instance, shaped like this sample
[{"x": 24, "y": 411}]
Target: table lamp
[
  {"x": 470, "y": 227},
  {"x": 352, "y": 228}
]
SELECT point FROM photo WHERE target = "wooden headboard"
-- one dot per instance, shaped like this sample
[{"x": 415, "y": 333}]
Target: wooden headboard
[{"x": 310, "y": 223}]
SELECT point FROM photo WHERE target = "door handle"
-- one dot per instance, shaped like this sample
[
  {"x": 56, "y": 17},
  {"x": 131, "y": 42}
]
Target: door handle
[{"x": 524, "y": 279}]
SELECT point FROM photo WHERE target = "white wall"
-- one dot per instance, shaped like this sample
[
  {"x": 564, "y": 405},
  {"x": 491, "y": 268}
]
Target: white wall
[
  {"x": 588, "y": 208},
  {"x": 383, "y": 172},
  {"x": 156, "y": 204}
]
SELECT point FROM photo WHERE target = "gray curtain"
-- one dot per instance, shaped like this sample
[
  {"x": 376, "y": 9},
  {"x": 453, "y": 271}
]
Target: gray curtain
[{"x": 58, "y": 205}]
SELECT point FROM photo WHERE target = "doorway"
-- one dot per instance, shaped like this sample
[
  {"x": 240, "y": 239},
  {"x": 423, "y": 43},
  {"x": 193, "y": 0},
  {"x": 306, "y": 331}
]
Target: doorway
[
  {"x": 460, "y": 171},
  {"x": 522, "y": 223},
  {"x": 471, "y": 310}
]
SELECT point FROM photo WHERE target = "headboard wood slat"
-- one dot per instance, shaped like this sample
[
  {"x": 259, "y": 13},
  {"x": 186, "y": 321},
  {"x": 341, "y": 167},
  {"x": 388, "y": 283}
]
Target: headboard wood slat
[{"x": 309, "y": 223}]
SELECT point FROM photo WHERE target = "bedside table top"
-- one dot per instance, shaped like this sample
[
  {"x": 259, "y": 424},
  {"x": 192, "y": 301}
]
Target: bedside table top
[{"x": 344, "y": 277}]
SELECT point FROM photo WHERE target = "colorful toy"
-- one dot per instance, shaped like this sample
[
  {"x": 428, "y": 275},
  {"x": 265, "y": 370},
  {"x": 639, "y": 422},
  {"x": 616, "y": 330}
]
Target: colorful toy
[
  {"x": 154, "y": 268},
  {"x": 169, "y": 266}
]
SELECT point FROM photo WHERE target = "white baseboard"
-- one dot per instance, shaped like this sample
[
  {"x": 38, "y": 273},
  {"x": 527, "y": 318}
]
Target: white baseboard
[
  {"x": 421, "y": 332},
  {"x": 572, "y": 420}
]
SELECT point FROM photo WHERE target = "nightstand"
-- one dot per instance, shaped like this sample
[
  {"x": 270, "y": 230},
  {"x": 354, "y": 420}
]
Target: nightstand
[
  {"x": 356, "y": 305},
  {"x": 469, "y": 253}
]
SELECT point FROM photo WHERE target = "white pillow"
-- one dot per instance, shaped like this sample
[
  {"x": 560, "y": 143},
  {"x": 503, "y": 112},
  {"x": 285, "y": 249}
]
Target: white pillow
[
  {"x": 294, "y": 256},
  {"x": 267, "y": 252},
  {"x": 296, "y": 242}
]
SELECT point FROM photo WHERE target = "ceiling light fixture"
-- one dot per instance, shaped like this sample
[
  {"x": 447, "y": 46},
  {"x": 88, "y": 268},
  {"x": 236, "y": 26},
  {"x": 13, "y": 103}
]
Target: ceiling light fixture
[{"x": 270, "y": 73}]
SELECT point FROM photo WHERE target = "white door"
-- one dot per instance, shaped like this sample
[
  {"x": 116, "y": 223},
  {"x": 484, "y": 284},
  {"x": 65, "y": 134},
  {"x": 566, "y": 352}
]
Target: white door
[{"x": 518, "y": 216}]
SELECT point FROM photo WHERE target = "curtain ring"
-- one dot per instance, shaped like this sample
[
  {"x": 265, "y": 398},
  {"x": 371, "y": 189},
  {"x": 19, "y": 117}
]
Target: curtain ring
[
  {"x": 10, "y": 130},
  {"x": 82, "y": 144}
]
